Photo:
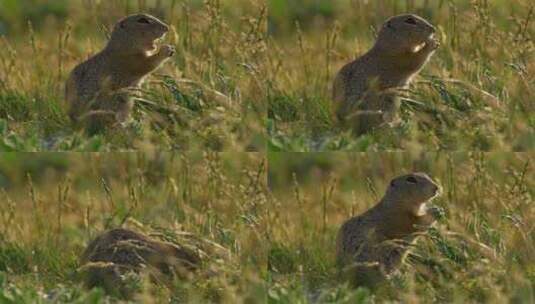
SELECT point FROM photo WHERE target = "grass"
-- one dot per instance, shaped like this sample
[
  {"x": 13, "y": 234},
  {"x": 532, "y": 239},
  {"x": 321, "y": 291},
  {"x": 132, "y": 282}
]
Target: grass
[
  {"x": 476, "y": 93},
  {"x": 481, "y": 251},
  {"x": 266, "y": 222},
  {"x": 267, "y": 227},
  {"x": 54, "y": 204},
  {"x": 205, "y": 98}
]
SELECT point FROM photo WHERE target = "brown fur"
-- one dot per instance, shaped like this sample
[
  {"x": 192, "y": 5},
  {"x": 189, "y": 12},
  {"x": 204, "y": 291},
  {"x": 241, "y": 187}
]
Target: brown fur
[
  {"x": 118, "y": 252},
  {"x": 364, "y": 91},
  {"x": 96, "y": 90},
  {"x": 372, "y": 246}
]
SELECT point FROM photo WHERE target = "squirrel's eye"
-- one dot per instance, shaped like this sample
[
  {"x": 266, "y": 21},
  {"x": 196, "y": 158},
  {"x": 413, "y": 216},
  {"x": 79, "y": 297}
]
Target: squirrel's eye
[
  {"x": 143, "y": 20},
  {"x": 412, "y": 180},
  {"x": 410, "y": 20},
  {"x": 392, "y": 184}
]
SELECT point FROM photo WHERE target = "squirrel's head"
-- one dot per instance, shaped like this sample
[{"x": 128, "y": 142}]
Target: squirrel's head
[
  {"x": 139, "y": 31},
  {"x": 412, "y": 190},
  {"x": 405, "y": 33}
]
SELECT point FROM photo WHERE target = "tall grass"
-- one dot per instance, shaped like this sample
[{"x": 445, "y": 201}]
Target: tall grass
[
  {"x": 206, "y": 97},
  {"x": 476, "y": 93},
  {"x": 53, "y": 205},
  {"x": 481, "y": 251},
  {"x": 266, "y": 225},
  {"x": 263, "y": 241}
]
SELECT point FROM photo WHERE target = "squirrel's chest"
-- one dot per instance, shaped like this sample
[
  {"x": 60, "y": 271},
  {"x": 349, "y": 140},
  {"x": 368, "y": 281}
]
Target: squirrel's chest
[
  {"x": 394, "y": 80},
  {"x": 121, "y": 80}
]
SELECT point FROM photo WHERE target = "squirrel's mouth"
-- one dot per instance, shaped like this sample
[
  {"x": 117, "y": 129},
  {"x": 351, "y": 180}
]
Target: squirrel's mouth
[
  {"x": 421, "y": 209},
  {"x": 161, "y": 38},
  {"x": 438, "y": 191},
  {"x": 151, "y": 47},
  {"x": 155, "y": 43},
  {"x": 419, "y": 47},
  {"x": 423, "y": 44}
]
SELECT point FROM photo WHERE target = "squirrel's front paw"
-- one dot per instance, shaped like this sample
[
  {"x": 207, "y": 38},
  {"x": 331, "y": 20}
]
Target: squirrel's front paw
[
  {"x": 167, "y": 50},
  {"x": 436, "y": 212},
  {"x": 433, "y": 43}
]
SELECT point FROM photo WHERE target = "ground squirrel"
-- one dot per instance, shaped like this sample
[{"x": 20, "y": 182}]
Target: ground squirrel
[
  {"x": 372, "y": 246},
  {"x": 115, "y": 254},
  {"x": 364, "y": 90},
  {"x": 95, "y": 89}
]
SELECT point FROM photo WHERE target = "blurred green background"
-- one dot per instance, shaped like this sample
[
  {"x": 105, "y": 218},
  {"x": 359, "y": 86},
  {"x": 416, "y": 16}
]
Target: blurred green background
[
  {"x": 318, "y": 14},
  {"x": 15, "y": 14},
  {"x": 355, "y": 171}
]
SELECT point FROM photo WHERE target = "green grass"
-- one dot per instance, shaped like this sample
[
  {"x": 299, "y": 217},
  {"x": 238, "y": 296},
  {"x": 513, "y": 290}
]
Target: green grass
[
  {"x": 250, "y": 75},
  {"x": 481, "y": 251},
  {"x": 476, "y": 93},
  {"x": 204, "y": 98},
  {"x": 263, "y": 241},
  {"x": 54, "y": 204}
]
